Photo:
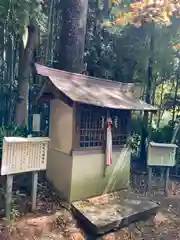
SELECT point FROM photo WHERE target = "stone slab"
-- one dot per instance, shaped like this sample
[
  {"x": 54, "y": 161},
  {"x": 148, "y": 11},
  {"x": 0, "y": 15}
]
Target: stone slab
[{"x": 98, "y": 219}]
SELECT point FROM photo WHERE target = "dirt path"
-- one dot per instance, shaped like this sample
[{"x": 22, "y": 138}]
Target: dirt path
[{"x": 54, "y": 222}]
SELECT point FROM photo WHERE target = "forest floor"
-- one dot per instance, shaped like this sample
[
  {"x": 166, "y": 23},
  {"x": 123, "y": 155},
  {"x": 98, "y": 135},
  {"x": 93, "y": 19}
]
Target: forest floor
[{"x": 53, "y": 221}]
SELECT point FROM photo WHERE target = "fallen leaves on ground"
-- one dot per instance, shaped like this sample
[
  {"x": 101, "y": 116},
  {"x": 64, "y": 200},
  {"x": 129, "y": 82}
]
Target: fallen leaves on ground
[{"x": 53, "y": 220}]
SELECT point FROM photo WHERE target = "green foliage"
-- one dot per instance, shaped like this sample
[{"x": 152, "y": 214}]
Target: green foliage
[
  {"x": 124, "y": 51},
  {"x": 162, "y": 135},
  {"x": 19, "y": 13},
  {"x": 12, "y": 130},
  {"x": 14, "y": 215},
  {"x": 135, "y": 143}
]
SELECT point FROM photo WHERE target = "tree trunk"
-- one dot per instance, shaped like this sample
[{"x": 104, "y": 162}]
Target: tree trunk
[
  {"x": 98, "y": 39},
  {"x": 106, "y": 8},
  {"x": 9, "y": 75},
  {"x": 175, "y": 101},
  {"x": 49, "y": 46},
  {"x": 72, "y": 36},
  {"x": 144, "y": 135},
  {"x": 160, "y": 108},
  {"x": 26, "y": 58},
  {"x": 11, "y": 78},
  {"x": 151, "y": 114}
]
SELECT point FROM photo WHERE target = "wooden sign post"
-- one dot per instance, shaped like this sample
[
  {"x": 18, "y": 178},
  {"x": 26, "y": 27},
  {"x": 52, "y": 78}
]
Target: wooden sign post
[
  {"x": 165, "y": 176},
  {"x": 23, "y": 155},
  {"x": 166, "y": 181},
  {"x": 9, "y": 186},
  {"x": 161, "y": 155},
  {"x": 34, "y": 189}
]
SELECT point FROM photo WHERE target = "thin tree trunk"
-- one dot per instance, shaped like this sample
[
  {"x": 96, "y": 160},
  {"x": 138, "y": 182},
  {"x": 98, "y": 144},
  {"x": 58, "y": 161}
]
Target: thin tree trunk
[
  {"x": 160, "y": 109},
  {"x": 11, "y": 81},
  {"x": 21, "y": 115},
  {"x": 175, "y": 101},
  {"x": 144, "y": 135},
  {"x": 151, "y": 114},
  {"x": 106, "y": 8},
  {"x": 73, "y": 36},
  {"x": 51, "y": 42},
  {"x": 2, "y": 45},
  {"x": 98, "y": 35},
  {"x": 9, "y": 74},
  {"x": 48, "y": 59}
]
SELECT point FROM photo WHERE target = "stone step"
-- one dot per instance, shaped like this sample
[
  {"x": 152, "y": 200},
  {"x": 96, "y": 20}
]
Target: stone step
[{"x": 97, "y": 219}]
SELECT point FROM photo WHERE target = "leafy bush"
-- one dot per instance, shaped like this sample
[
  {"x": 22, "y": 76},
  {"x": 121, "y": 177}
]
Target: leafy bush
[
  {"x": 135, "y": 144},
  {"x": 162, "y": 135}
]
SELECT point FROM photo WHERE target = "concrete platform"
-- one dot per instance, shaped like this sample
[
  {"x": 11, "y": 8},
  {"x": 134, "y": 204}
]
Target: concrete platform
[{"x": 98, "y": 218}]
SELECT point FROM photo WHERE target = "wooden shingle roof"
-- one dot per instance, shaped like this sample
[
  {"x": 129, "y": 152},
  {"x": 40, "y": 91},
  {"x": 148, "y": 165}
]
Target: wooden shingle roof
[{"x": 94, "y": 91}]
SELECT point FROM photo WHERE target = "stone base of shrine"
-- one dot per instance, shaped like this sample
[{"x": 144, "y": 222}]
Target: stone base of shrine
[{"x": 101, "y": 215}]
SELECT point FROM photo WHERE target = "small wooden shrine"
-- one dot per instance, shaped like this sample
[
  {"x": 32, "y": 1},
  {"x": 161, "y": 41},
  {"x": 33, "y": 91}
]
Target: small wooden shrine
[{"x": 89, "y": 131}]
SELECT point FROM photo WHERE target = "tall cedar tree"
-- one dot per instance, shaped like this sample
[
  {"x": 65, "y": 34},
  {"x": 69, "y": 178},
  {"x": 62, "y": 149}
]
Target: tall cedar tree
[{"x": 72, "y": 38}]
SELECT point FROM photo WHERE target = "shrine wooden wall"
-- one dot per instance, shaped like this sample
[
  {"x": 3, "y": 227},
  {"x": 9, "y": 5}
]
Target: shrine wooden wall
[
  {"x": 88, "y": 177},
  {"x": 59, "y": 164}
]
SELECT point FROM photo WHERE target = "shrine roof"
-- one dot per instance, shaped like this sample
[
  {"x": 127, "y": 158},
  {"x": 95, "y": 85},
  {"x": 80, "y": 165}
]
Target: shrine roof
[{"x": 95, "y": 91}]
